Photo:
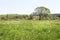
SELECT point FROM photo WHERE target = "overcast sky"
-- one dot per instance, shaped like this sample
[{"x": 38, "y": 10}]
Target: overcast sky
[{"x": 27, "y": 6}]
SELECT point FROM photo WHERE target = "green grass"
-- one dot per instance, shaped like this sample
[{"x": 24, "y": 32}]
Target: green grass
[{"x": 30, "y": 30}]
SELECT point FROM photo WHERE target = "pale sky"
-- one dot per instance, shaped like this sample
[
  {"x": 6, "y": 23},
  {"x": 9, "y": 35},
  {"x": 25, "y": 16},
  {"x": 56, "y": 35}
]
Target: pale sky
[{"x": 27, "y": 6}]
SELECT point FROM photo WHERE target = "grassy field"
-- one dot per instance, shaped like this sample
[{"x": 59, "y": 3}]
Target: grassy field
[{"x": 30, "y": 30}]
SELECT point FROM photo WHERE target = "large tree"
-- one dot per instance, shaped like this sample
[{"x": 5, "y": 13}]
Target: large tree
[{"x": 41, "y": 11}]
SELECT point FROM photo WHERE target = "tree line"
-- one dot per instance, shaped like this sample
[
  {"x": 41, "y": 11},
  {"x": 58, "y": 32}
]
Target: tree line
[{"x": 40, "y": 13}]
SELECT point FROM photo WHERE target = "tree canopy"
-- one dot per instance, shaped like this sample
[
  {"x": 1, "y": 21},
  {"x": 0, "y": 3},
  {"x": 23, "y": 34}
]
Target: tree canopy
[{"x": 41, "y": 10}]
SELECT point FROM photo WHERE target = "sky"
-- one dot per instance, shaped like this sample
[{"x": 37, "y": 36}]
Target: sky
[{"x": 27, "y": 6}]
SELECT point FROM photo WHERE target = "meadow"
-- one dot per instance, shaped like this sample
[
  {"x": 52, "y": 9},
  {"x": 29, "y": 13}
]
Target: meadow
[{"x": 30, "y": 30}]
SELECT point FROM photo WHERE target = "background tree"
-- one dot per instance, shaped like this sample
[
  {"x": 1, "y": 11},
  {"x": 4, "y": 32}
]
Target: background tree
[{"x": 41, "y": 12}]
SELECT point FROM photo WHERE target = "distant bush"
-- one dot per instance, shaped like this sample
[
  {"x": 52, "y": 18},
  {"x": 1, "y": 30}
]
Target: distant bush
[{"x": 29, "y": 17}]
